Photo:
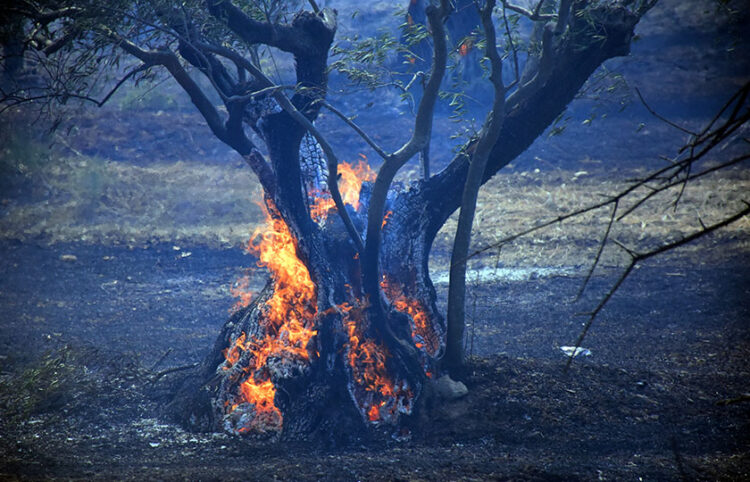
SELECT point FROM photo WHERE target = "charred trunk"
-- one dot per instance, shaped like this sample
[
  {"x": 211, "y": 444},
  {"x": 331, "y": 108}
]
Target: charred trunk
[
  {"x": 316, "y": 355},
  {"x": 306, "y": 360}
]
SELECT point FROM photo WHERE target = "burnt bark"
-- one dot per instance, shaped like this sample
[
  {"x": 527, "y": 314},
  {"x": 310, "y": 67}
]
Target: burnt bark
[
  {"x": 322, "y": 390},
  {"x": 344, "y": 343},
  {"x": 376, "y": 305}
]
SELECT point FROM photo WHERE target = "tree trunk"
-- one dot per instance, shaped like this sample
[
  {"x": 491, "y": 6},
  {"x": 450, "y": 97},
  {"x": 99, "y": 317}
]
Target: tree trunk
[
  {"x": 266, "y": 377},
  {"x": 310, "y": 359}
]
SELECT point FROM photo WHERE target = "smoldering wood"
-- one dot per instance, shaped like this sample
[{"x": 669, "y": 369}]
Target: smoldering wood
[{"x": 320, "y": 396}]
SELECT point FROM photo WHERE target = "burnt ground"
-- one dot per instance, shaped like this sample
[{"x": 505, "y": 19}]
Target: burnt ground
[
  {"x": 662, "y": 396},
  {"x": 118, "y": 247}
]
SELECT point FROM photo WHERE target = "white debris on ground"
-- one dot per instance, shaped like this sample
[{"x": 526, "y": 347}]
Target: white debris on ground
[{"x": 575, "y": 351}]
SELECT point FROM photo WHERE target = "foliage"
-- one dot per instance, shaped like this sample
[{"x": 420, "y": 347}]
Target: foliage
[{"x": 59, "y": 381}]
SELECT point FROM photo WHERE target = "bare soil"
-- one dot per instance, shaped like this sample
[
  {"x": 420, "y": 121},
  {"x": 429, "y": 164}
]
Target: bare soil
[
  {"x": 118, "y": 248},
  {"x": 86, "y": 342}
]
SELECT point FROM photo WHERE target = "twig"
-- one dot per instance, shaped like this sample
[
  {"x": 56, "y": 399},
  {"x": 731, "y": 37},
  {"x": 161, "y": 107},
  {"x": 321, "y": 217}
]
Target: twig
[
  {"x": 662, "y": 118},
  {"x": 314, "y": 6},
  {"x": 745, "y": 397},
  {"x": 160, "y": 360},
  {"x": 355, "y": 127},
  {"x": 535, "y": 15},
  {"x": 637, "y": 258},
  {"x": 157, "y": 376},
  {"x": 603, "y": 242}
]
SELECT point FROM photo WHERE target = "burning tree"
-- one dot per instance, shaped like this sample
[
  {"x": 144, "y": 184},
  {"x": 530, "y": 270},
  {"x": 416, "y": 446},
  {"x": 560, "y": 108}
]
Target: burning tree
[{"x": 346, "y": 336}]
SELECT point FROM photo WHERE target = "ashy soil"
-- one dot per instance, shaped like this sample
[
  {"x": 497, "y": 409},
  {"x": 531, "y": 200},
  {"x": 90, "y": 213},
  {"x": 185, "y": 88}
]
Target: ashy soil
[
  {"x": 100, "y": 324},
  {"x": 88, "y": 345},
  {"x": 118, "y": 248}
]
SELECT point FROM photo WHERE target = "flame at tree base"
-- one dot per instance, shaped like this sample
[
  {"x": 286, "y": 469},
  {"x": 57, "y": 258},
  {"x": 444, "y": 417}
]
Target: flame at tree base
[
  {"x": 287, "y": 320},
  {"x": 275, "y": 339},
  {"x": 379, "y": 395}
]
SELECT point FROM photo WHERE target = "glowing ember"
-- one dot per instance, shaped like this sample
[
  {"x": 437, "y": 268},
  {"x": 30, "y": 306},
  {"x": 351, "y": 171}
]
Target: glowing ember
[
  {"x": 423, "y": 333},
  {"x": 351, "y": 178},
  {"x": 465, "y": 47},
  {"x": 386, "y": 218},
  {"x": 288, "y": 320},
  {"x": 383, "y": 397}
]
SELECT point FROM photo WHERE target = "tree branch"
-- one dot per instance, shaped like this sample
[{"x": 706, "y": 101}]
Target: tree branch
[
  {"x": 454, "y": 354},
  {"x": 289, "y": 38},
  {"x": 170, "y": 61},
  {"x": 384, "y": 155},
  {"x": 289, "y": 108},
  {"x": 531, "y": 15},
  {"x": 637, "y": 258},
  {"x": 394, "y": 162}
]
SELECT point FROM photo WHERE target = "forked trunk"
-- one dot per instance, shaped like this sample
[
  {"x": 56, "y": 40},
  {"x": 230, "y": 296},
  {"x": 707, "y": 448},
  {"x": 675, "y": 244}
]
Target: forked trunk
[
  {"x": 305, "y": 360},
  {"x": 312, "y": 357}
]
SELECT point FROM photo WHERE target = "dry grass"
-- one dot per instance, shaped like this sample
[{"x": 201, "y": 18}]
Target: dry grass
[
  {"x": 96, "y": 201},
  {"x": 511, "y": 203}
]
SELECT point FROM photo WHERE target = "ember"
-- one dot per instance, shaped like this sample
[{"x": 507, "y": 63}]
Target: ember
[
  {"x": 465, "y": 47},
  {"x": 423, "y": 332},
  {"x": 351, "y": 178},
  {"x": 376, "y": 392}
]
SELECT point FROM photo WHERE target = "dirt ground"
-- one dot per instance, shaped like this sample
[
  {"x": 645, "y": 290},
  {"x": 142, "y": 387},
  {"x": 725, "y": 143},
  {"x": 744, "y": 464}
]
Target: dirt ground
[
  {"x": 119, "y": 245},
  {"x": 662, "y": 396}
]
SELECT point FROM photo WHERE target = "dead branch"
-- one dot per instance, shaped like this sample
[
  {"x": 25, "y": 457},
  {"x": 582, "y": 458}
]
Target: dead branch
[
  {"x": 348, "y": 120},
  {"x": 698, "y": 147},
  {"x": 598, "y": 256},
  {"x": 640, "y": 257},
  {"x": 155, "y": 377},
  {"x": 534, "y": 15}
]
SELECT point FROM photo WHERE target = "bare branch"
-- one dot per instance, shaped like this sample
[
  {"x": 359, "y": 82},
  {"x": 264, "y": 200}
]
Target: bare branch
[
  {"x": 170, "y": 61},
  {"x": 513, "y": 49},
  {"x": 394, "y": 162},
  {"x": 637, "y": 258},
  {"x": 660, "y": 117},
  {"x": 356, "y": 128},
  {"x": 314, "y": 6},
  {"x": 488, "y": 137},
  {"x": 563, "y": 12},
  {"x": 289, "y": 38},
  {"x": 598, "y": 256},
  {"x": 289, "y": 108},
  {"x": 425, "y": 111},
  {"x": 531, "y": 15}
]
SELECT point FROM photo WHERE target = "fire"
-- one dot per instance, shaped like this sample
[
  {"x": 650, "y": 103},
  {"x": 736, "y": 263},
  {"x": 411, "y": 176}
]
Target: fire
[
  {"x": 465, "y": 47},
  {"x": 422, "y": 330},
  {"x": 383, "y": 396},
  {"x": 350, "y": 182},
  {"x": 241, "y": 290},
  {"x": 288, "y": 320},
  {"x": 288, "y": 324},
  {"x": 386, "y": 218}
]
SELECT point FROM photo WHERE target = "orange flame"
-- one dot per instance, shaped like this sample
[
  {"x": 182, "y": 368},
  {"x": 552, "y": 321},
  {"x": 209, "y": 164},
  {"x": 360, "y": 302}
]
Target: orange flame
[
  {"x": 386, "y": 218},
  {"x": 465, "y": 47},
  {"x": 367, "y": 361},
  {"x": 421, "y": 324},
  {"x": 350, "y": 181},
  {"x": 288, "y": 319},
  {"x": 241, "y": 289}
]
